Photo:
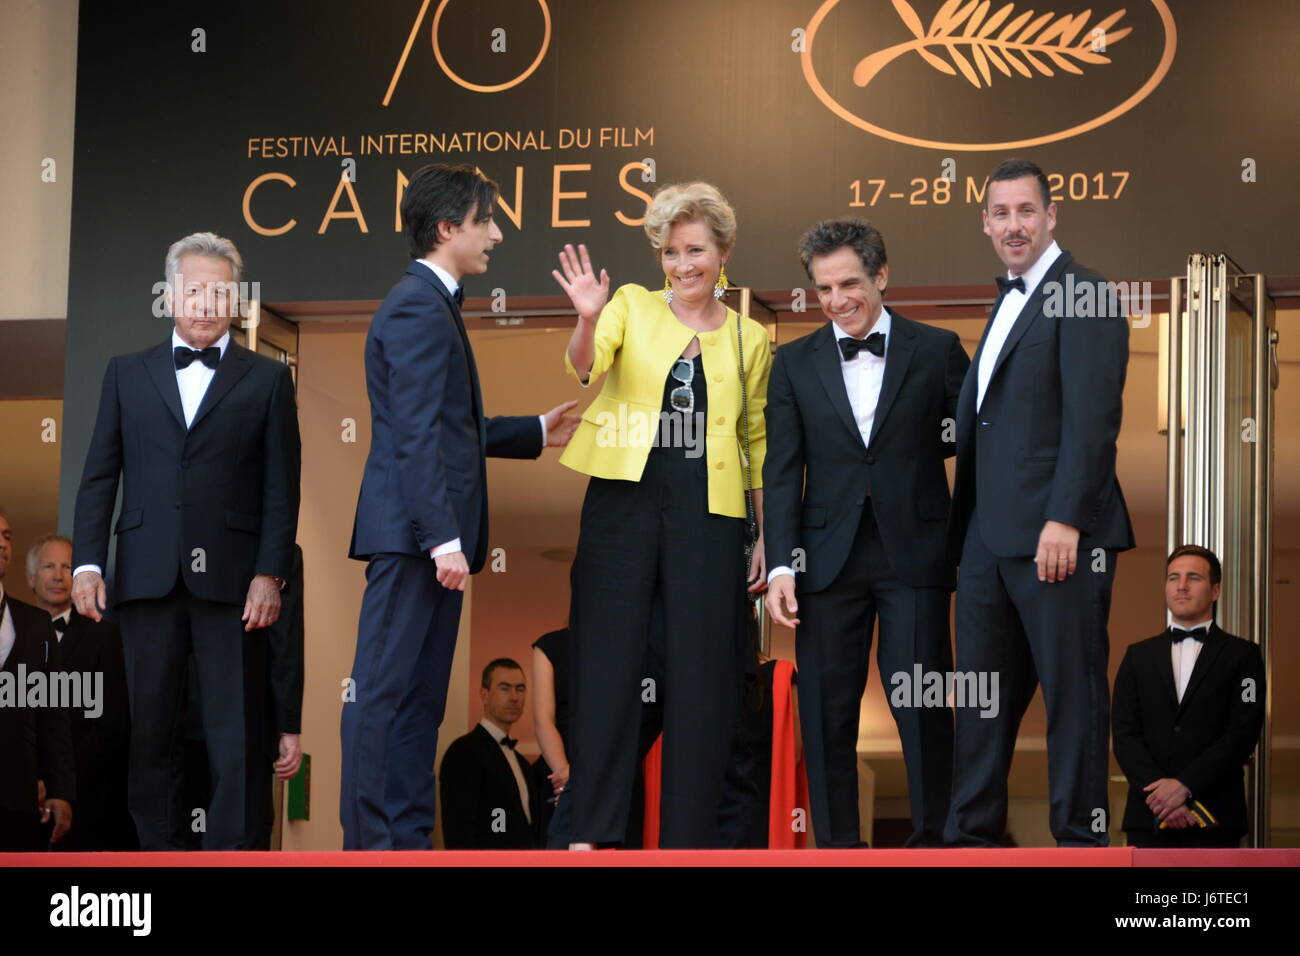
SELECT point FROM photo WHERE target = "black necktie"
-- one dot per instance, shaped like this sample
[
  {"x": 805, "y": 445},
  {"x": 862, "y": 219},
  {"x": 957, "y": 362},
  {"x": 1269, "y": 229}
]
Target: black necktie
[
  {"x": 873, "y": 343},
  {"x": 210, "y": 356},
  {"x": 509, "y": 742},
  {"x": 60, "y": 624},
  {"x": 1178, "y": 634},
  {"x": 1005, "y": 285},
  {"x": 459, "y": 296}
]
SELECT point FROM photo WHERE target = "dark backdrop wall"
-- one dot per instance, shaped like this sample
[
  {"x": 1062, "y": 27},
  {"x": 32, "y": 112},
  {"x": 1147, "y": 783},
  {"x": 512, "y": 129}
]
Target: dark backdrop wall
[{"x": 291, "y": 127}]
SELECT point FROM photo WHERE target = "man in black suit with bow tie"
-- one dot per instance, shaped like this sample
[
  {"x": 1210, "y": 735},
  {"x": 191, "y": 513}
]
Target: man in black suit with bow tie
[
  {"x": 202, "y": 436},
  {"x": 422, "y": 516},
  {"x": 1188, "y": 708},
  {"x": 1037, "y": 519},
  {"x": 860, "y": 414},
  {"x": 489, "y": 798}
]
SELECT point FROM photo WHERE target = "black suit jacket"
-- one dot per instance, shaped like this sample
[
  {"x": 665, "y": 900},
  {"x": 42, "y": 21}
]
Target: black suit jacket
[
  {"x": 474, "y": 782},
  {"x": 1202, "y": 741},
  {"x": 227, "y": 485},
  {"x": 818, "y": 473},
  {"x": 35, "y": 742},
  {"x": 285, "y": 657},
  {"x": 1047, "y": 428},
  {"x": 102, "y": 744},
  {"x": 425, "y": 480}
]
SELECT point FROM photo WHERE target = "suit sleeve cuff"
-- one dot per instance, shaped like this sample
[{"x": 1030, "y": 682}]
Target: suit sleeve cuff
[
  {"x": 88, "y": 567},
  {"x": 776, "y": 572},
  {"x": 451, "y": 547}
]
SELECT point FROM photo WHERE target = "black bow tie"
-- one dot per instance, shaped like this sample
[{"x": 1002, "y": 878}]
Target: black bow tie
[
  {"x": 509, "y": 742},
  {"x": 873, "y": 343},
  {"x": 210, "y": 356},
  {"x": 1005, "y": 285},
  {"x": 1177, "y": 634},
  {"x": 60, "y": 624},
  {"x": 459, "y": 296}
]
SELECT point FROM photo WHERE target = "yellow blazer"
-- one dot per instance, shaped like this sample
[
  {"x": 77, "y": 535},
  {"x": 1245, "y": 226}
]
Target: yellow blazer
[{"x": 637, "y": 341}]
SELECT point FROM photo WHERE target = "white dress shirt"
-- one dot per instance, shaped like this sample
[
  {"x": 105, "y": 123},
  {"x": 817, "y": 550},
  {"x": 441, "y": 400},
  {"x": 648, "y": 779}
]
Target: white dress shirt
[
  {"x": 513, "y": 759},
  {"x": 192, "y": 382},
  {"x": 452, "y": 285},
  {"x": 1183, "y": 654},
  {"x": 7, "y": 633},
  {"x": 863, "y": 376},
  {"x": 1008, "y": 311}
]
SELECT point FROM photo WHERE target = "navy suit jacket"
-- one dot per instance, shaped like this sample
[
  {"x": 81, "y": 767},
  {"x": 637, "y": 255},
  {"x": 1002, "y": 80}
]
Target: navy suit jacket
[
  {"x": 1047, "y": 428},
  {"x": 425, "y": 480},
  {"x": 819, "y": 472}
]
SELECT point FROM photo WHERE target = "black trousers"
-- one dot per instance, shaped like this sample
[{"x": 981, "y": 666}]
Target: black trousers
[
  {"x": 833, "y": 651},
  {"x": 1022, "y": 630},
  {"x": 637, "y": 538},
  {"x": 22, "y": 832},
  {"x": 158, "y": 637},
  {"x": 1213, "y": 838}
]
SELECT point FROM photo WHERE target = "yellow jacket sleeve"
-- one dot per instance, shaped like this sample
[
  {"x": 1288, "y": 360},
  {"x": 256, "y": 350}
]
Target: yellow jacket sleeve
[
  {"x": 758, "y": 364},
  {"x": 610, "y": 326}
]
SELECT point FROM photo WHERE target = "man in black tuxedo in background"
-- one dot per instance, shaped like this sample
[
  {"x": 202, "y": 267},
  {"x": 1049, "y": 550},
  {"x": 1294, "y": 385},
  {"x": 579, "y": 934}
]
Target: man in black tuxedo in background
[
  {"x": 202, "y": 434},
  {"x": 1188, "y": 708},
  {"x": 856, "y": 488},
  {"x": 37, "y": 766},
  {"x": 1037, "y": 519},
  {"x": 101, "y": 739},
  {"x": 489, "y": 799},
  {"x": 422, "y": 516}
]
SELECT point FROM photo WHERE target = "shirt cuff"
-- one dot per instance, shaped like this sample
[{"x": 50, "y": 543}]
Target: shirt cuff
[
  {"x": 779, "y": 571},
  {"x": 542, "y": 419},
  {"x": 88, "y": 567},
  {"x": 451, "y": 547}
]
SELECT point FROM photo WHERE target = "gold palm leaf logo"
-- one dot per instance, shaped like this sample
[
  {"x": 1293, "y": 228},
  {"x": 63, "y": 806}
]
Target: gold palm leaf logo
[{"x": 1024, "y": 39}]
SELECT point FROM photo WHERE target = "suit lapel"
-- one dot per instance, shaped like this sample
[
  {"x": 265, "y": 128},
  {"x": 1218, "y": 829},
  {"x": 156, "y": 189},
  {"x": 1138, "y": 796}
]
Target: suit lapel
[
  {"x": 1033, "y": 308},
  {"x": 505, "y": 773},
  {"x": 162, "y": 369},
  {"x": 427, "y": 275},
  {"x": 826, "y": 357},
  {"x": 234, "y": 366},
  {"x": 1211, "y": 648},
  {"x": 898, "y": 355},
  {"x": 1165, "y": 670}
]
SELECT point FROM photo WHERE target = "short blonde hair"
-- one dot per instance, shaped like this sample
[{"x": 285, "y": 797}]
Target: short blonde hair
[{"x": 690, "y": 202}]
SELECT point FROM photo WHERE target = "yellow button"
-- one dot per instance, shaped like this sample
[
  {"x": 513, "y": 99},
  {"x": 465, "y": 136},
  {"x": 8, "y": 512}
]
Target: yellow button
[
  {"x": 722, "y": 420},
  {"x": 720, "y": 465},
  {"x": 718, "y": 377}
]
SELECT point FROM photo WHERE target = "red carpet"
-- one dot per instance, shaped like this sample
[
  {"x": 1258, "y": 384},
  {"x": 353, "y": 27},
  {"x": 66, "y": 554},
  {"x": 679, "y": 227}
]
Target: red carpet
[{"x": 1109, "y": 857}]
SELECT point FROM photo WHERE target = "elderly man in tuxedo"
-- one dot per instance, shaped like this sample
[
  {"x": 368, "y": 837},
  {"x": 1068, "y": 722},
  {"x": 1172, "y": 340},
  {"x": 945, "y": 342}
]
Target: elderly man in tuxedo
[
  {"x": 201, "y": 435},
  {"x": 37, "y": 768},
  {"x": 101, "y": 738},
  {"x": 1188, "y": 708},
  {"x": 857, "y": 497},
  {"x": 1038, "y": 519},
  {"x": 422, "y": 514}
]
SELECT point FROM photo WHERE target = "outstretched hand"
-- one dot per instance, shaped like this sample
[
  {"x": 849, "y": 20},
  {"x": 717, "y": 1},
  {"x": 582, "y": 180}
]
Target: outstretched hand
[
  {"x": 559, "y": 426},
  {"x": 578, "y": 280}
]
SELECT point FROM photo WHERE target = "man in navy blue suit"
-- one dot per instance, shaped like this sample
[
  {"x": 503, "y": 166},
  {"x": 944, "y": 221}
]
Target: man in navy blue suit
[{"x": 422, "y": 515}]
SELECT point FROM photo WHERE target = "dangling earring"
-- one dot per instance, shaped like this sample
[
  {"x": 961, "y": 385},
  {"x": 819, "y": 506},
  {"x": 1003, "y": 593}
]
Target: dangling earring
[
  {"x": 668, "y": 290},
  {"x": 720, "y": 287}
]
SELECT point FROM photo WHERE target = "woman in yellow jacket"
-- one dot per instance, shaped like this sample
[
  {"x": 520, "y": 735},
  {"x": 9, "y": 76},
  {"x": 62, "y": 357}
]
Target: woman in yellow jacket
[{"x": 663, "y": 521}]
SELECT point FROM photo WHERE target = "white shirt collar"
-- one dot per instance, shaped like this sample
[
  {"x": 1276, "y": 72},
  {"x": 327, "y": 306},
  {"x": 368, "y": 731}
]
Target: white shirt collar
[
  {"x": 882, "y": 326},
  {"x": 2, "y": 590},
  {"x": 1207, "y": 624},
  {"x": 497, "y": 733},
  {"x": 1034, "y": 274},
  {"x": 451, "y": 284},
  {"x": 66, "y": 616},
  {"x": 178, "y": 342}
]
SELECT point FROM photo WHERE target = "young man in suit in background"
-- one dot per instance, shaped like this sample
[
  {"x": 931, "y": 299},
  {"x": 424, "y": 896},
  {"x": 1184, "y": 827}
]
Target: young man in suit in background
[
  {"x": 37, "y": 766},
  {"x": 101, "y": 740},
  {"x": 422, "y": 514},
  {"x": 489, "y": 798},
  {"x": 1037, "y": 519},
  {"x": 855, "y": 510},
  {"x": 202, "y": 436},
  {"x": 1188, "y": 708}
]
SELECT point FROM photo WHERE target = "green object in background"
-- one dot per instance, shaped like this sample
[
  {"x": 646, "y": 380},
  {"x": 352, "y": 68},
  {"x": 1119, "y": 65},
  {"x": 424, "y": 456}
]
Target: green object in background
[{"x": 300, "y": 791}]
